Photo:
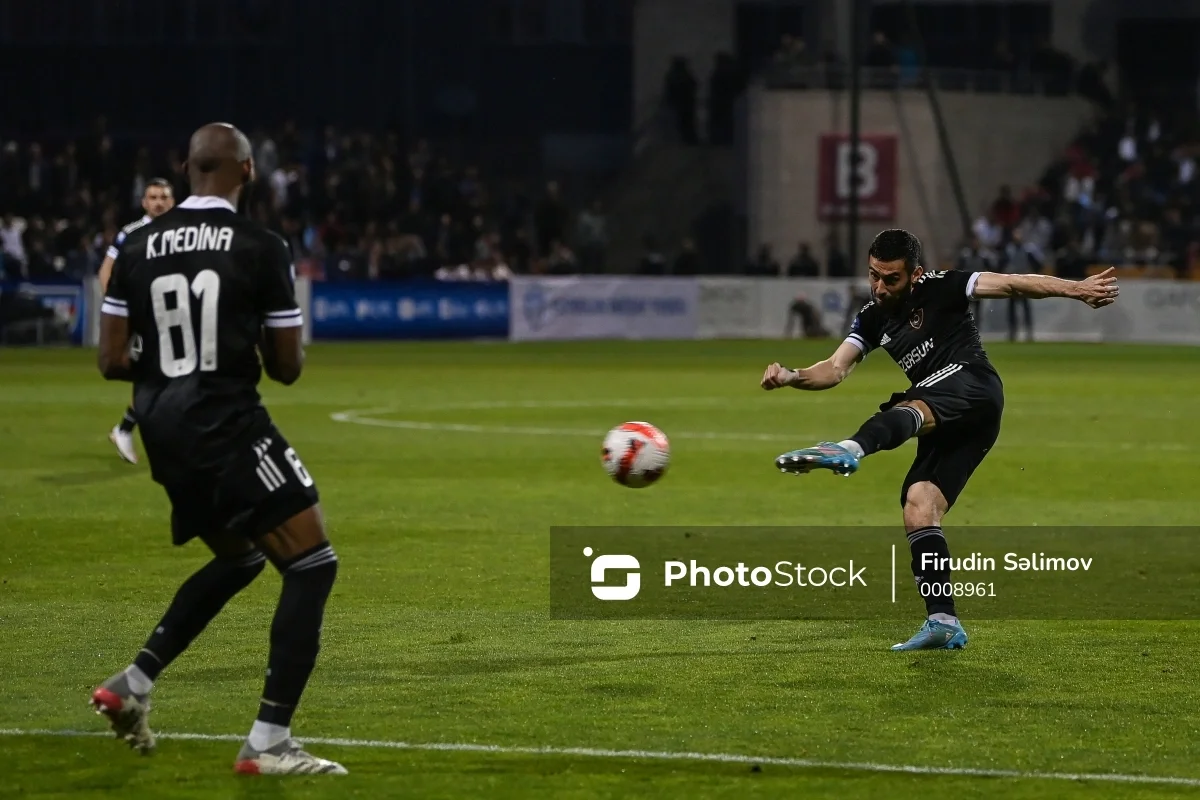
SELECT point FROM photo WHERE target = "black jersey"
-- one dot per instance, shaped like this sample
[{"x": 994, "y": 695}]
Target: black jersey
[
  {"x": 931, "y": 332},
  {"x": 114, "y": 249},
  {"x": 198, "y": 284}
]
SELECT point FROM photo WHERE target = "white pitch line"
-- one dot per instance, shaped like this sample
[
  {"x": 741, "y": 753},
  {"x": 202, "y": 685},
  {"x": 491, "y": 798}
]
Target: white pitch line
[
  {"x": 659, "y": 755},
  {"x": 364, "y": 417},
  {"x": 359, "y": 418}
]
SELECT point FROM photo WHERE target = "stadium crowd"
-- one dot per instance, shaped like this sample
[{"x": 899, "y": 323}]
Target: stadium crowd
[
  {"x": 352, "y": 205},
  {"x": 1125, "y": 191}
]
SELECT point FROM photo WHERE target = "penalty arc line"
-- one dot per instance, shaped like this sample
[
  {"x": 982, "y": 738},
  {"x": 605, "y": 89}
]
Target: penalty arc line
[
  {"x": 366, "y": 417},
  {"x": 360, "y": 418},
  {"x": 659, "y": 755}
]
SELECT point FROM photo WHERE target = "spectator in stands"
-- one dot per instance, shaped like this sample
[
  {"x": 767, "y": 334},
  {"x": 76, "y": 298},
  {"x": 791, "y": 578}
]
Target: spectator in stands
[
  {"x": 652, "y": 262},
  {"x": 764, "y": 262},
  {"x": 803, "y": 265},
  {"x": 880, "y": 54},
  {"x": 1070, "y": 262},
  {"x": 807, "y": 319},
  {"x": 987, "y": 230},
  {"x": 551, "y": 218},
  {"x": 1036, "y": 230},
  {"x": 679, "y": 96},
  {"x": 975, "y": 257},
  {"x": 687, "y": 261},
  {"x": 561, "y": 261},
  {"x": 12, "y": 240},
  {"x": 725, "y": 85},
  {"x": 881, "y": 59},
  {"x": 836, "y": 263},
  {"x": 591, "y": 237},
  {"x": 1020, "y": 258},
  {"x": 1176, "y": 237},
  {"x": 1005, "y": 212}
]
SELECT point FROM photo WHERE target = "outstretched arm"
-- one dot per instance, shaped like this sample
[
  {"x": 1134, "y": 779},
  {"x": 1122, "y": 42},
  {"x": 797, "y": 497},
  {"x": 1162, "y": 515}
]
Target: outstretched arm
[
  {"x": 1097, "y": 291},
  {"x": 822, "y": 375}
]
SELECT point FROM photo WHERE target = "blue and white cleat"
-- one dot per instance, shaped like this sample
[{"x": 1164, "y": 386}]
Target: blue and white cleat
[
  {"x": 936, "y": 635},
  {"x": 826, "y": 455}
]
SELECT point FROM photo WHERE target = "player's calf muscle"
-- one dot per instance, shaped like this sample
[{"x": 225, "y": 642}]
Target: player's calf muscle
[{"x": 924, "y": 505}]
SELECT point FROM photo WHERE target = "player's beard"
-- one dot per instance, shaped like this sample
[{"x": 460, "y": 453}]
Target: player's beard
[{"x": 895, "y": 303}]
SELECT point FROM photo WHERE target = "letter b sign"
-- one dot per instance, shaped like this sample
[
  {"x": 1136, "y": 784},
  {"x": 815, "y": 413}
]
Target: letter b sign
[
  {"x": 875, "y": 172},
  {"x": 868, "y": 170}
]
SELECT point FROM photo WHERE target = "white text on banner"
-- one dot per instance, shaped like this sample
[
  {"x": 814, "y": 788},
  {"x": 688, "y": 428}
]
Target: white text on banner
[{"x": 595, "y": 307}]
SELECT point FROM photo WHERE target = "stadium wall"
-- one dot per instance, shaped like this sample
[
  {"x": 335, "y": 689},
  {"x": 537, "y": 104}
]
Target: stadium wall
[
  {"x": 996, "y": 138},
  {"x": 564, "y": 308}
]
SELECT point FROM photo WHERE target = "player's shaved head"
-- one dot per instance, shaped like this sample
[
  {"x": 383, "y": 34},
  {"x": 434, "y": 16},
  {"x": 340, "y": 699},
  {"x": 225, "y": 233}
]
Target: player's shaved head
[
  {"x": 220, "y": 161},
  {"x": 216, "y": 145}
]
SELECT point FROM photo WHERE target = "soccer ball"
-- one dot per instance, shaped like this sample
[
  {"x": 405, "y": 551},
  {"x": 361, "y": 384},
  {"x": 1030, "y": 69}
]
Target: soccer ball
[{"x": 635, "y": 454}]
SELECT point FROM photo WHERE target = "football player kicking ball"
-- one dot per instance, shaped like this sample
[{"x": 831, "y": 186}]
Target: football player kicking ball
[{"x": 922, "y": 319}]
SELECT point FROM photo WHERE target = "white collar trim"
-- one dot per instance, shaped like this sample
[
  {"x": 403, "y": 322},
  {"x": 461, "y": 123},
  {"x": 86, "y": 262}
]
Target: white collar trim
[{"x": 207, "y": 201}]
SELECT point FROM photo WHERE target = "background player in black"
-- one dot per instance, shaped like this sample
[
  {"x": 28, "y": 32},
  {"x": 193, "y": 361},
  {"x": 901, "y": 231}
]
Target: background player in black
[
  {"x": 923, "y": 320},
  {"x": 208, "y": 291},
  {"x": 157, "y": 199}
]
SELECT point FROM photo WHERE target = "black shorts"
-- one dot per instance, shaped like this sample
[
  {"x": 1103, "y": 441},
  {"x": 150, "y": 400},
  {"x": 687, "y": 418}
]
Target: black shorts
[
  {"x": 967, "y": 404},
  {"x": 260, "y": 485}
]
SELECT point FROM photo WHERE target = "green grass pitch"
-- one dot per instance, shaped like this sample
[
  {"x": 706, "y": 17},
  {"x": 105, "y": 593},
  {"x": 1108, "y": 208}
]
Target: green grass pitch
[{"x": 438, "y": 629}]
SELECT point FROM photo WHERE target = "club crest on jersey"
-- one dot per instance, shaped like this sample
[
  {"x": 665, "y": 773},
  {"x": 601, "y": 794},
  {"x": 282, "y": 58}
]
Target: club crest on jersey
[{"x": 917, "y": 319}]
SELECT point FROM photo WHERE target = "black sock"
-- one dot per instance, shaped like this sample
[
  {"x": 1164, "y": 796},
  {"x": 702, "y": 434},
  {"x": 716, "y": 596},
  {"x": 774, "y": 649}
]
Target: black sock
[
  {"x": 889, "y": 429},
  {"x": 296, "y": 632},
  {"x": 129, "y": 421},
  {"x": 933, "y": 577},
  {"x": 201, "y": 598}
]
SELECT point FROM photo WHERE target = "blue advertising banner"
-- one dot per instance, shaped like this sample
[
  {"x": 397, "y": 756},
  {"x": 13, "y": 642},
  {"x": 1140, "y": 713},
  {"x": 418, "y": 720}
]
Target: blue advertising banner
[
  {"x": 433, "y": 310},
  {"x": 68, "y": 301}
]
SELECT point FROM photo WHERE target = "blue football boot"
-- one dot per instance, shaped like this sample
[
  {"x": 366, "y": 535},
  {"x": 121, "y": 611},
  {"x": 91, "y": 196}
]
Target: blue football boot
[
  {"x": 936, "y": 635},
  {"x": 826, "y": 455}
]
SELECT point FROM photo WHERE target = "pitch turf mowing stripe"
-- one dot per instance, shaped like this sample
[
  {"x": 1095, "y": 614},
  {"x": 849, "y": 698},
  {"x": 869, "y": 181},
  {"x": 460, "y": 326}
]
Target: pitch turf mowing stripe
[{"x": 656, "y": 755}]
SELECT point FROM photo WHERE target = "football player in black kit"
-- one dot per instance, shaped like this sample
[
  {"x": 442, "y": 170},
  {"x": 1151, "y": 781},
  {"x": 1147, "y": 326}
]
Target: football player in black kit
[
  {"x": 922, "y": 319},
  {"x": 206, "y": 291}
]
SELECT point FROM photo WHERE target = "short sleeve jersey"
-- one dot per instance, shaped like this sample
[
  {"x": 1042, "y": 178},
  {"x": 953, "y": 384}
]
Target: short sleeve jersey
[
  {"x": 114, "y": 249},
  {"x": 933, "y": 331},
  {"x": 198, "y": 284}
]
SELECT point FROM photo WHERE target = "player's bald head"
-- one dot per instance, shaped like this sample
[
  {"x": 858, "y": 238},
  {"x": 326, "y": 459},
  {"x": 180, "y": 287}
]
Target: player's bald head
[{"x": 217, "y": 145}]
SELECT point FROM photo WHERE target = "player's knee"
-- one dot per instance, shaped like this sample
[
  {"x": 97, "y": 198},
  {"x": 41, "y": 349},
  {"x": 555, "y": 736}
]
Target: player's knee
[
  {"x": 297, "y": 537},
  {"x": 928, "y": 421},
  {"x": 924, "y": 505}
]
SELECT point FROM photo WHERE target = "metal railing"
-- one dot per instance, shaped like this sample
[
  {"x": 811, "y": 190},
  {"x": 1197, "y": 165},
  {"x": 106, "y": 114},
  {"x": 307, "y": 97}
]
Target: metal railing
[{"x": 837, "y": 77}]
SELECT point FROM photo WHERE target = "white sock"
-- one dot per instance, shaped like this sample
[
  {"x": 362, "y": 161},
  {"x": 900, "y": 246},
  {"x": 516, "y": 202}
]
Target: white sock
[
  {"x": 139, "y": 682},
  {"x": 264, "y": 735},
  {"x": 853, "y": 447},
  {"x": 946, "y": 618}
]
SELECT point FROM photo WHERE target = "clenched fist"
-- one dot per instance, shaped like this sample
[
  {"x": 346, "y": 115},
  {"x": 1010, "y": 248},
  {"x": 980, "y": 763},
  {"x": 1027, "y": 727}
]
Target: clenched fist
[{"x": 778, "y": 376}]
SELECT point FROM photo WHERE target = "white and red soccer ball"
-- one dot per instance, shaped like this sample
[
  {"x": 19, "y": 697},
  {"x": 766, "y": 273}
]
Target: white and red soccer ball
[{"x": 635, "y": 454}]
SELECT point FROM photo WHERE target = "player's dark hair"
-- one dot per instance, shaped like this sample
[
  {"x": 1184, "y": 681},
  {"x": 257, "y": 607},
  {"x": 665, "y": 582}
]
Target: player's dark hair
[
  {"x": 896, "y": 244},
  {"x": 160, "y": 182}
]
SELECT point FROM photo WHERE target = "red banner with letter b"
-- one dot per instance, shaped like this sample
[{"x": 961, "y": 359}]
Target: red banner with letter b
[{"x": 876, "y": 177}]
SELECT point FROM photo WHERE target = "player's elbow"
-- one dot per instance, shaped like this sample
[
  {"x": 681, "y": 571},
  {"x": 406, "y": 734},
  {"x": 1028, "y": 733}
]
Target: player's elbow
[
  {"x": 113, "y": 368},
  {"x": 287, "y": 374}
]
